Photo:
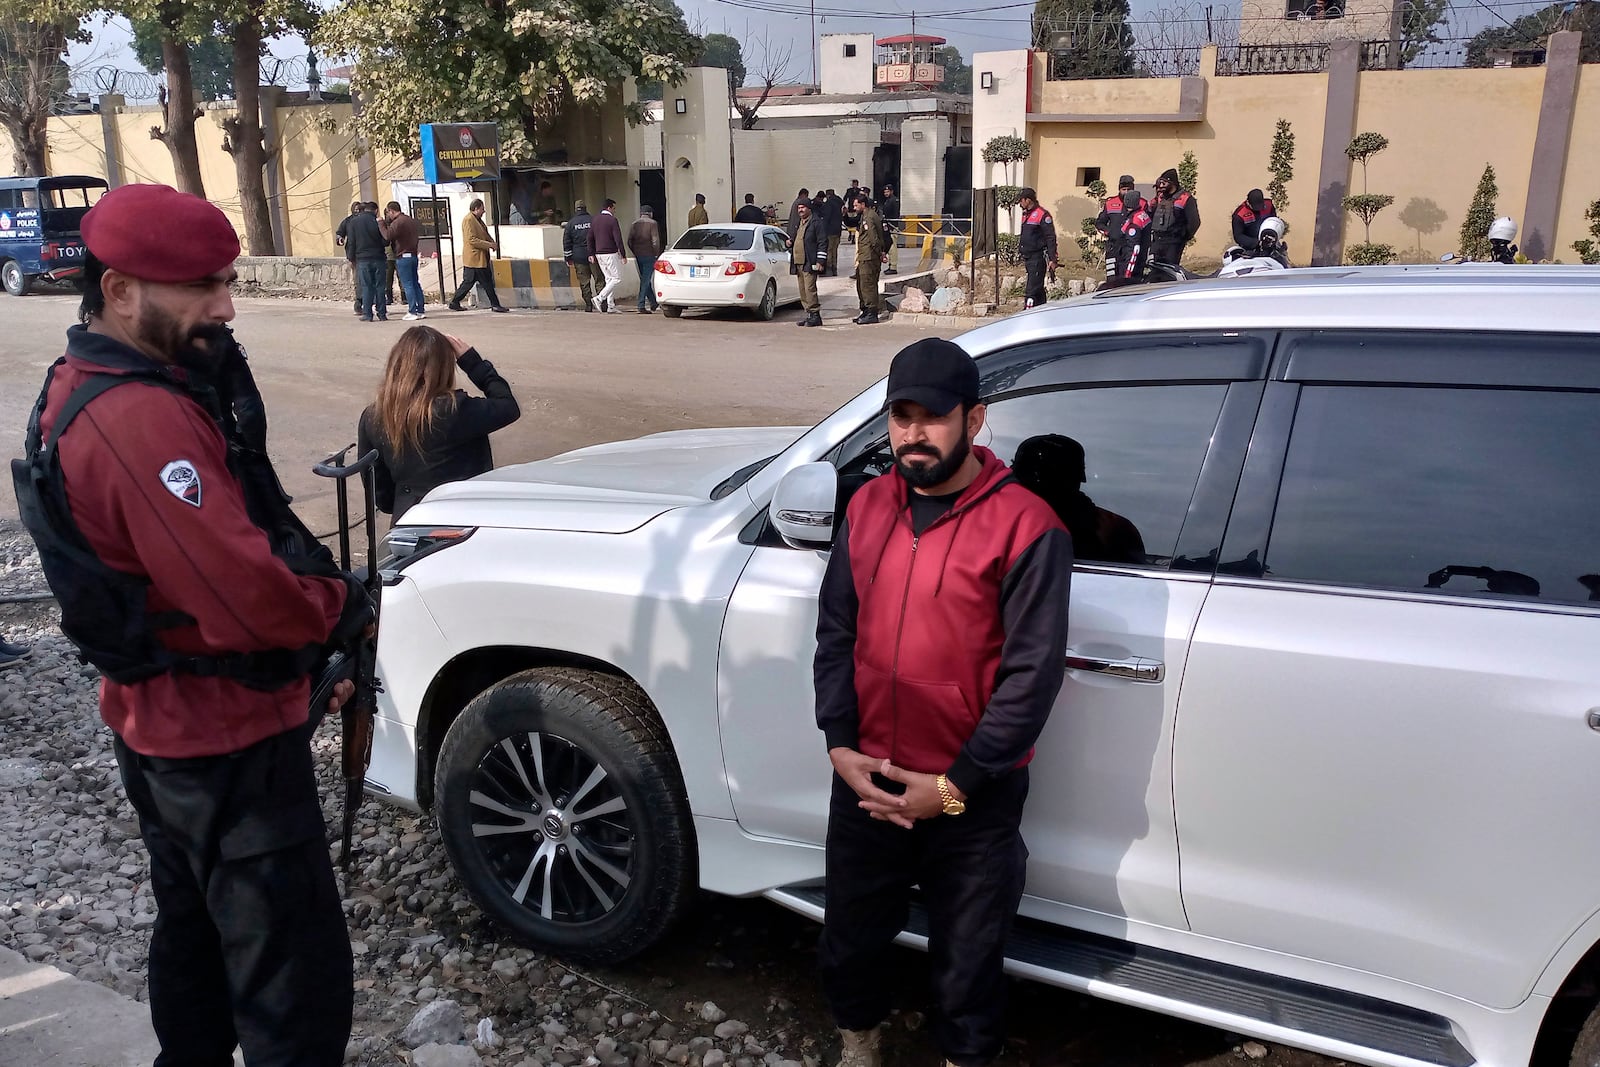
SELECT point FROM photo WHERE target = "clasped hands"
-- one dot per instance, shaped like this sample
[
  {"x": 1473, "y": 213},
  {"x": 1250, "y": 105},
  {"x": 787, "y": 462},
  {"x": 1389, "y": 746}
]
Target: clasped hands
[{"x": 921, "y": 799}]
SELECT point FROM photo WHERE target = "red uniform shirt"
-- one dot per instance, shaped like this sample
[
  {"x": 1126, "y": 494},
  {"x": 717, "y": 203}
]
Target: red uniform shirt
[{"x": 148, "y": 484}]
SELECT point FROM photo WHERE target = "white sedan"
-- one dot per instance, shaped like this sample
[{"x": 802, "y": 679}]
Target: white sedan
[{"x": 727, "y": 265}]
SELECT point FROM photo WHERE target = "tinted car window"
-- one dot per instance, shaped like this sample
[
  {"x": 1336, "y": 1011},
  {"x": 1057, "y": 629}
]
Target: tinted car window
[
  {"x": 1476, "y": 492},
  {"x": 775, "y": 242},
  {"x": 1137, "y": 451},
  {"x": 714, "y": 239}
]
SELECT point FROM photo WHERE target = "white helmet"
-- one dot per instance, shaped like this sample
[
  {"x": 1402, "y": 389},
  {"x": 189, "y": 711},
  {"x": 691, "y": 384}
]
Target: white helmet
[
  {"x": 1276, "y": 227},
  {"x": 1503, "y": 228}
]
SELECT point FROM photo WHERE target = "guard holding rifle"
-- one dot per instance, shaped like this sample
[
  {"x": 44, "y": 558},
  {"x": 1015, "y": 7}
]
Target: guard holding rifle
[{"x": 206, "y": 631}]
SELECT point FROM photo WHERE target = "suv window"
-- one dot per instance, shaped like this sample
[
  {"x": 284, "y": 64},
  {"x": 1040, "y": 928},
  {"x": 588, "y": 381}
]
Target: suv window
[
  {"x": 1119, "y": 464},
  {"x": 1473, "y": 492}
]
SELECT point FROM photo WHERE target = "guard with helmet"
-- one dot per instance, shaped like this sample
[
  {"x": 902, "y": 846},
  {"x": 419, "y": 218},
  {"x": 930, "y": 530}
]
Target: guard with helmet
[
  {"x": 1248, "y": 217},
  {"x": 205, "y": 637},
  {"x": 1502, "y": 231},
  {"x": 1037, "y": 244}
]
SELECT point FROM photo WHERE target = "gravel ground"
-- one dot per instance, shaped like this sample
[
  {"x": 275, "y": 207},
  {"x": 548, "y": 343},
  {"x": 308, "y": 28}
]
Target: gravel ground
[
  {"x": 435, "y": 987},
  {"x": 74, "y": 893}
]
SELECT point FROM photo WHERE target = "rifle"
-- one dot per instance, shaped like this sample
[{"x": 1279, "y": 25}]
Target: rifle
[{"x": 356, "y": 717}]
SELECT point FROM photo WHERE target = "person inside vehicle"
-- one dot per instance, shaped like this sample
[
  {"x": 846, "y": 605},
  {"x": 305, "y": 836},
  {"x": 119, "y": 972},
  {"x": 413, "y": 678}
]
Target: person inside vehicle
[
  {"x": 1052, "y": 466},
  {"x": 426, "y": 431}
]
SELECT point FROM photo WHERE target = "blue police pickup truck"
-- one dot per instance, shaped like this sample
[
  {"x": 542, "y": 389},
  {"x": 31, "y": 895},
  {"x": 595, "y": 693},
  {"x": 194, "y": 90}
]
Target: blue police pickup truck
[{"x": 39, "y": 219}]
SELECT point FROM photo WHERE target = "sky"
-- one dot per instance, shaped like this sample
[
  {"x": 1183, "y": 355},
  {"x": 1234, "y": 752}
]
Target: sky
[{"x": 788, "y": 24}]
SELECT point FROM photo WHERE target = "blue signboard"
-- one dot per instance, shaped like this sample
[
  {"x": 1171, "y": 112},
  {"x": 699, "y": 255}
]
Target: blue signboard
[
  {"x": 20, "y": 225},
  {"x": 460, "y": 152}
]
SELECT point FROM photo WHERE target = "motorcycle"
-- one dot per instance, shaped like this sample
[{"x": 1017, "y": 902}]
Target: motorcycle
[
  {"x": 1272, "y": 254},
  {"x": 1502, "y": 231}
]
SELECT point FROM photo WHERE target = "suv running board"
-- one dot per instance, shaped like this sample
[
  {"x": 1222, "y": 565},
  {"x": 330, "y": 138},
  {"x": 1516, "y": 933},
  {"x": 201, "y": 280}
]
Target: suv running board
[{"x": 1074, "y": 958}]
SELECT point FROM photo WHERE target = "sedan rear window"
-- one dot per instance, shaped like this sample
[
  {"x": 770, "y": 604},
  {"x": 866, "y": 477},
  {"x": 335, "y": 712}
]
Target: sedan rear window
[{"x": 715, "y": 239}]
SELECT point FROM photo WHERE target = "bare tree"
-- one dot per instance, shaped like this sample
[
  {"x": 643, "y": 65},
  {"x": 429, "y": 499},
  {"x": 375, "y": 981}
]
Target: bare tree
[
  {"x": 769, "y": 64},
  {"x": 33, "y": 73}
]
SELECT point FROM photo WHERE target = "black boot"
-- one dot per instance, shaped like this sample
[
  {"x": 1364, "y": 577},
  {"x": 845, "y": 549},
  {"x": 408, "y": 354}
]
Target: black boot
[
  {"x": 812, "y": 319},
  {"x": 860, "y": 316},
  {"x": 869, "y": 318}
]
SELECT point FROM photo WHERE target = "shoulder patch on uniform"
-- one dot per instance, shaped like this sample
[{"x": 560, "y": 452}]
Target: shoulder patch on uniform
[
  {"x": 182, "y": 481},
  {"x": 1047, "y": 218}
]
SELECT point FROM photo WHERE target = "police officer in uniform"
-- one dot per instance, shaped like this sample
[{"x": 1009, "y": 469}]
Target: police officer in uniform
[
  {"x": 1037, "y": 245},
  {"x": 205, "y": 638},
  {"x": 1112, "y": 218}
]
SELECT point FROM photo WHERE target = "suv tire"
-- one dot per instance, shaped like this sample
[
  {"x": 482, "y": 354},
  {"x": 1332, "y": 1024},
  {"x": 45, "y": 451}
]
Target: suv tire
[
  {"x": 11, "y": 277},
  {"x": 563, "y": 811},
  {"x": 1586, "y": 1050}
]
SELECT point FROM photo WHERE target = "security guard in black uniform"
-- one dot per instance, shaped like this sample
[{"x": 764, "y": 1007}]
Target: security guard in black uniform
[
  {"x": 1037, "y": 245},
  {"x": 150, "y": 526}
]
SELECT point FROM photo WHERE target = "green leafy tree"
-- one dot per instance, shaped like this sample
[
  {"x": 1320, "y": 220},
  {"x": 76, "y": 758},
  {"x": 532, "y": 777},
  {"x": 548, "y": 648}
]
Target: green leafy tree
[
  {"x": 1533, "y": 30},
  {"x": 423, "y": 61},
  {"x": 1420, "y": 23},
  {"x": 724, "y": 51},
  {"x": 1588, "y": 248},
  {"x": 1480, "y": 216},
  {"x": 247, "y": 25},
  {"x": 1280, "y": 164},
  {"x": 1366, "y": 205},
  {"x": 1085, "y": 38},
  {"x": 168, "y": 35},
  {"x": 209, "y": 57},
  {"x": 34, "y": 35},
  {"x": 1091, "y": 245},
  {"x": 1189, "y": 178},
  {"x": 957, "y": 74}
]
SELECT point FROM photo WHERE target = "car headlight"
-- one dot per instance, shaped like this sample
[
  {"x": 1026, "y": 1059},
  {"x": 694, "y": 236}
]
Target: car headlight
[{"x": 406, "y": 544}]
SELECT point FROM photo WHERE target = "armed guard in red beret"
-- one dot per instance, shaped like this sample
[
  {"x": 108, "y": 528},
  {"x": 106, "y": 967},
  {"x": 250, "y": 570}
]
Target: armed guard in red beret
[{"x": 207, "y": 607}]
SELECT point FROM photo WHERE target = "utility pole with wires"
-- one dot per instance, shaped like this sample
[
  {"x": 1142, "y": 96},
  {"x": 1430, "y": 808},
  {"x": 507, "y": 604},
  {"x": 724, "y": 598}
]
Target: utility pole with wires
[{"x": 814, "y": 43}]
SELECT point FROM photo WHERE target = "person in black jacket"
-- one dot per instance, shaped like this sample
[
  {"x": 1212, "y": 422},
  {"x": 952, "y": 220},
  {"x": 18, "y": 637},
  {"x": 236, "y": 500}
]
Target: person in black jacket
[
  {"x": 1174, "y": 219},
  {"x": 1036, "y": 244},
  {"x": 808, "y": 260},
  {"x": 575, "y": 250},
  {"x": 750, "y": 213},
  {"x": 364, "y": 244},
  {"x": 426, "y": 431},
  {"x": 1248, "y": 217}
]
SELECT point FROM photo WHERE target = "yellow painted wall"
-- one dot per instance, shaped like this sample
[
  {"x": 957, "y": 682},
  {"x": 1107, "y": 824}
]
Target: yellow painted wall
[
  {"x": 1230, "y": 146},
  {"x": 318, "y": 175},
  {"x": 1443, "y": 126},
  {"x": 1583, "y": 166}
]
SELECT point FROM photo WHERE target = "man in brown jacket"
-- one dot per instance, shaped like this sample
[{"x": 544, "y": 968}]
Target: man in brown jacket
[
  {"x": 870, "y": 247},
  {"x": 698, "y": 215},
  {"x": 644, "y": 241},
  {"x": 475, "y": 259}
]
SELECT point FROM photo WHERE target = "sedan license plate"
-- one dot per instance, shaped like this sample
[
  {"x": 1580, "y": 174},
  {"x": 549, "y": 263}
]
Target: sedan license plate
[{"x": 699, "y": 272}]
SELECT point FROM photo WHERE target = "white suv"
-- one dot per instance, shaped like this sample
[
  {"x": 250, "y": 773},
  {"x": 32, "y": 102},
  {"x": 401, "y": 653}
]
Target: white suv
[{"x": 1325, "y": 765}]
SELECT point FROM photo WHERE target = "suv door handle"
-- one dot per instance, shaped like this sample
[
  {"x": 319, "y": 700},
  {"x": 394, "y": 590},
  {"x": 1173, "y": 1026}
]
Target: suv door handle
[{"x": 1137, "y": 669}]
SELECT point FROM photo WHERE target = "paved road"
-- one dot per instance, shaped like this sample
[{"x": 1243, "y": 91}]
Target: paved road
[
  {"x": 582, "y": 379},
  {"x": 585, "y": 379}
]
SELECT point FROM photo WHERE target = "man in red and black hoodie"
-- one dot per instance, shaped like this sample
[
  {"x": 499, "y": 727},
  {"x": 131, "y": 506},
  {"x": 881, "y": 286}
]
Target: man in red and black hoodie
[
  {"x": 941, "y": 639},
  {"x": 1113, "y": 220}
]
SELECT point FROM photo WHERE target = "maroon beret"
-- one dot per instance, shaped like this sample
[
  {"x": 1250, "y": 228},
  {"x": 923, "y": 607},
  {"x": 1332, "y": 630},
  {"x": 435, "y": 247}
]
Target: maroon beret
[{"x": 156, "y": 233}]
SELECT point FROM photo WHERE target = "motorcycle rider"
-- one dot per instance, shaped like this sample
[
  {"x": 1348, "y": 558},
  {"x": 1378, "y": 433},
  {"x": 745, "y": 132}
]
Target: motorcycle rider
[
  {"x": 1111, "y": 218},
  {"x": 1502, "y": 231},
  {"x": 1175, "y": 219},
  {"x": 1270, "y": 243},
  {"x": 1247, "y": 219}
]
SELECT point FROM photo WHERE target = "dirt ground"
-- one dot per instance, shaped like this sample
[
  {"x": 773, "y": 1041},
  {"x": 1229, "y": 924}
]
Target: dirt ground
[{"x": 584, "y": 379}]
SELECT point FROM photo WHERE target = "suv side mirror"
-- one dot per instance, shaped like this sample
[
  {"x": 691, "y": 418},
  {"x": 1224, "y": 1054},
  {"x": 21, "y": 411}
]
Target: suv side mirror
[{"x": 803, "y": 503}]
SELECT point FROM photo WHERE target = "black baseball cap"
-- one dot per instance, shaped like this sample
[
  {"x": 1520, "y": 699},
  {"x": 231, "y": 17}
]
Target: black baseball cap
[
  {"x": 935, "y": 373},
  {"x": 1027, "y": 193},
  {"x": 1126, "y": 181}
]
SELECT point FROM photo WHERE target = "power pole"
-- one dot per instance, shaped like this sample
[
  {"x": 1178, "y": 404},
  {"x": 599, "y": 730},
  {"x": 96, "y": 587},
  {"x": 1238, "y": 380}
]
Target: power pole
[{"x": 814, "y": 42}]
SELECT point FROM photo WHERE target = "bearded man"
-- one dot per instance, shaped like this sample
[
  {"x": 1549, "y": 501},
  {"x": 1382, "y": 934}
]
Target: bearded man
[{"x": 933, "y": 681}]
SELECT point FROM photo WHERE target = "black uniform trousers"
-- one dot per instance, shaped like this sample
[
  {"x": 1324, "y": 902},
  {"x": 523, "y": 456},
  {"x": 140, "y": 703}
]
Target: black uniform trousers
[
  {"x": 1034, "y": 263},
  {"x": 970, "y": 867},
  {"x": 250, "y": 946},
  {"x": 471, "y": 276},
  {"x": 1166, "y": 250}
]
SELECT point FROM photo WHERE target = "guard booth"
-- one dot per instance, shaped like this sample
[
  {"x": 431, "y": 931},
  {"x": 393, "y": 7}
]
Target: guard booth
[{"x": 909, "y": 62}]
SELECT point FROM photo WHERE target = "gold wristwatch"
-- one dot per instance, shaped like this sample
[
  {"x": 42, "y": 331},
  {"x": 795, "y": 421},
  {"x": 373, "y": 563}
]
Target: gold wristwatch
[{"x": 952, "y": 806}]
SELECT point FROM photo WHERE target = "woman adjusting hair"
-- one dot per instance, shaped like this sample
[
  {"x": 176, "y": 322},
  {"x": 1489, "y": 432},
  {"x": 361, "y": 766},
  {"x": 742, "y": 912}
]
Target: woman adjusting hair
[{"x": 428, "y": 432}]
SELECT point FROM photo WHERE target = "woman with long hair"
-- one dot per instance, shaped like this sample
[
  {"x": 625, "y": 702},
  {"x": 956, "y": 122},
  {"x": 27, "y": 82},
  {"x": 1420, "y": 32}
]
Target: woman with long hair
[{"x": 428, "y": 432}]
